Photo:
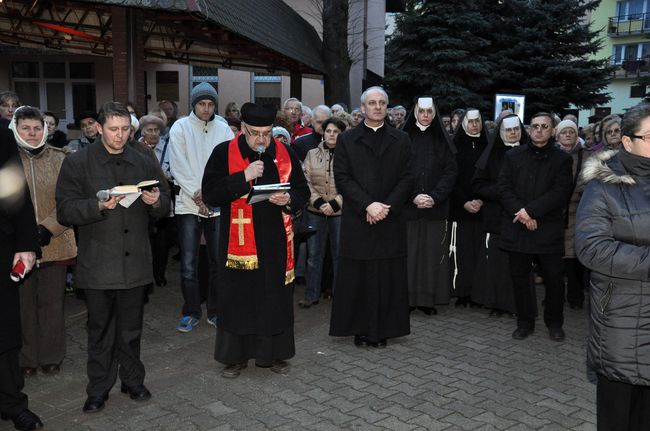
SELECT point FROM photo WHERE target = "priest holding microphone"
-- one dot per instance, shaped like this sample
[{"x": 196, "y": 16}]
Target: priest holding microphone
[{"x": 256, "y": 261}]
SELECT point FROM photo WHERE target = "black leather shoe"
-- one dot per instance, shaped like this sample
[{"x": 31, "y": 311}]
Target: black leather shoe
[
  {"x": 556, "y": 334},
  {"x": 521, "y": 333},
  {"x": 137, "y": 393},
  {"x": 233, "y": 371},
  {"x": 279, "y": 366},
  {"x": 360, "y": 340},
  {"x": 429, "y": 310},
  {"x": 25, "y": 421},
  {"x": 379, "y": 344},
  {"x": 29, "y": 371},
  {"x": 94, "y": 404},
  {"x": 51, "y": 369}
]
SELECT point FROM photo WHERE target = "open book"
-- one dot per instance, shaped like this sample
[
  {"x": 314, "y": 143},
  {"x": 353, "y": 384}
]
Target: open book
[
  {"x": 132, "y": 192},
  {"x": 263, "y": 192},
  {"x": 142, "y": 185}
]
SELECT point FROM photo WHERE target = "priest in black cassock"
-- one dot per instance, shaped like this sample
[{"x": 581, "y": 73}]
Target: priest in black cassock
[
  {"x": 256, "y": 262},
  {"x": 372, "y": 173}
]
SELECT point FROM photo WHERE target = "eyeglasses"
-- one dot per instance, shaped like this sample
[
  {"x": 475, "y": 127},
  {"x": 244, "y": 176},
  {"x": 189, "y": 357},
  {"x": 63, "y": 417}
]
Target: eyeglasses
[
  {"x": 644, "y": 138},
  {"x": 292, "y": 109},
  {"x": 613, "y": 132},
  {"x": 543, "y": 126},
  {"x": 256, "y": 134}
]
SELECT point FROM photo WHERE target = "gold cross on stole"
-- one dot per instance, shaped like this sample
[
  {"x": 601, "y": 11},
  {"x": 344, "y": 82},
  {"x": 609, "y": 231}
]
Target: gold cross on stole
[{"x": 241, "y": 221}]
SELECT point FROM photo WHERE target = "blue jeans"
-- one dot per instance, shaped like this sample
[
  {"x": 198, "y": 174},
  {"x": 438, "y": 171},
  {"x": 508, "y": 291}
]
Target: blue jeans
[
  {"x": 190, "y": 228},
  {"x": 325, "y": 227}
]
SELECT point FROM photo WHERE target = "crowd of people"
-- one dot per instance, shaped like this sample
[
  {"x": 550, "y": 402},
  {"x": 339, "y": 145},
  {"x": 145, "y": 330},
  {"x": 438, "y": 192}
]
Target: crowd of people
[{"x": 397, "y": 211}]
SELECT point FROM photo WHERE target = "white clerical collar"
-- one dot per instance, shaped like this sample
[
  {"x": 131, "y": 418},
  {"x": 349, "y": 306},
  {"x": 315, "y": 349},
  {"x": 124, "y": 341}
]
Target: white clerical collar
[
  {"x": 511, "y": 144},
  {"x": 374, "y": 129},
  {"x": 421, "y": 127}
]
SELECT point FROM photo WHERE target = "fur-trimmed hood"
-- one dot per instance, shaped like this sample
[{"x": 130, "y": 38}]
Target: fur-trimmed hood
[{"x": 605, "y": 167}]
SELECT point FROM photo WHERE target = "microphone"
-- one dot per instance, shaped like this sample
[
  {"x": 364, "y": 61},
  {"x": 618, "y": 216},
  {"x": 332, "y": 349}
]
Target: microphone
[
  {"x": 260, "y": 150},
  {"x": 103, "y": 195}
]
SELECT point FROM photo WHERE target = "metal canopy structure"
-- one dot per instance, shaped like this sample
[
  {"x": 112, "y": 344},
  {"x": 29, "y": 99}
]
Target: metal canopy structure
[{"x": 251, "y": 35}]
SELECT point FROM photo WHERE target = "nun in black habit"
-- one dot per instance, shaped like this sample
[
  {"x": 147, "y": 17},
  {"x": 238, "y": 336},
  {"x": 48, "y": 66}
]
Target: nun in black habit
[
  {"x": 492, "y": 282},
  {"x": 465, "y": 208},
  {"x": 435, "y": 169}
]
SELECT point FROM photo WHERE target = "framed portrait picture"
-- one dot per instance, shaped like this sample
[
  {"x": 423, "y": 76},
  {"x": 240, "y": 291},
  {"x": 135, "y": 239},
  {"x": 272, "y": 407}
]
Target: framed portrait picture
[{"x": 513, "y": 102}]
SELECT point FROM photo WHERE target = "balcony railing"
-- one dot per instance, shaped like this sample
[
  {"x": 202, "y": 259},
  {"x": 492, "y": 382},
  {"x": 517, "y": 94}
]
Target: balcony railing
[
  {"x": 632, "y": 68},
  {"x": 624, "y": 25}
]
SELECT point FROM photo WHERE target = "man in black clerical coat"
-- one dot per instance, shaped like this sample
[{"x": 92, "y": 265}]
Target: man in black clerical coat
[
  {"x": 18, "y": 241},
  {"x": 255, "y": 295},
  {"x": 372, "y": 173}
]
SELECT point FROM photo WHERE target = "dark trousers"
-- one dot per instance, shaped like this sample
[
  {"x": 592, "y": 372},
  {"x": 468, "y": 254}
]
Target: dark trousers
[
  {"x": 190, "y": 228},
  {"x": 114, "y": 333},
  {"x": 161, "y": 240},
  {"x": 41, "y": 315},
  {"x": 552, "y": 270},
  {"x": 12, "y": 399},
  {"x": 575, "y": 277},
  {"x": 622, "y": 406}
]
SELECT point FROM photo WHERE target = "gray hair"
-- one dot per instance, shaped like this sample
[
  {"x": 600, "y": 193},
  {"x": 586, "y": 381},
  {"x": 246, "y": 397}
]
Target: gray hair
[
  {"x": 306, "y": 110},
  {"x": 375, "y": 89},
  {"x": 291, "y": 99},
  {"x": 323, "y": 109},
  {"x": 399, "y": 108}
]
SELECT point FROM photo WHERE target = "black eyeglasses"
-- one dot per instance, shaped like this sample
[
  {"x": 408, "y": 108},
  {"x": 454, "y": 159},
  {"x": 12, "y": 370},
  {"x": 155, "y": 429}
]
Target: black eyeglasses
[
  {"x": 644, "y": 138},
  {"x": 542, "y": 126}
]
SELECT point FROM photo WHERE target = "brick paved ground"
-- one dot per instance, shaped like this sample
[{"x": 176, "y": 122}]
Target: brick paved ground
[{"x": 459, "y": 370}]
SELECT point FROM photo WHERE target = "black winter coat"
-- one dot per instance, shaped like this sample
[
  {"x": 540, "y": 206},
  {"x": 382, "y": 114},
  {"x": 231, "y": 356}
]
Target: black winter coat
[
  {"x": 305, "y": 143},
  {"x": 485, "y": 179},
  {"x": 113, "y": 248},
  {"x": 613, "y": 241},
  {"x": 435, "y": 172},
  {"x": 469, "y": 150},
  {"x": 17, "y": 234},
  {"x": 373, "y": 168},
  {"x": 539, "y": 180}
]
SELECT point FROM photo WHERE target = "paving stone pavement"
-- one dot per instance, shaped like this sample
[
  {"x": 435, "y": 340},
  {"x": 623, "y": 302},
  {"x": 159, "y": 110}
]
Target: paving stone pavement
[{"x": 459, "y": 370}]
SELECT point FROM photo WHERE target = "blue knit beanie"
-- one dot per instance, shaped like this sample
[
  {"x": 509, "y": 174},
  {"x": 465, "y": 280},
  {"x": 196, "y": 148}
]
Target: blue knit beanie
[{"x": 203, "y": 91}]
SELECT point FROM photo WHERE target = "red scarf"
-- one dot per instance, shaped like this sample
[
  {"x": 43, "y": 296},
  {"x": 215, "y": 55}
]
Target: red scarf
[{"x": 242, "y": 250}]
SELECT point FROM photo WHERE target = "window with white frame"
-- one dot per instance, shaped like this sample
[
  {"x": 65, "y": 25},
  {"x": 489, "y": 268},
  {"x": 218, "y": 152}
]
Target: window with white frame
[
  {"x": 631, "y": 9},
  {"x": 64, "y": 88}
]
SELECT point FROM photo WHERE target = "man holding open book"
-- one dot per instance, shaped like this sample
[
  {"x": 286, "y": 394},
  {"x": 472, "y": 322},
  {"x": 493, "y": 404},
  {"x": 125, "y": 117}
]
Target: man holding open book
[
  {"x": 114, "y": 256},
  {"x": 256, "y": 262}
]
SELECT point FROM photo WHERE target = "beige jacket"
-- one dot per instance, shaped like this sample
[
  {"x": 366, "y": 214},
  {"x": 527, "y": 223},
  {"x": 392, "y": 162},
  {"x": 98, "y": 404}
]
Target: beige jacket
[
  {"x": 42, "y": 171},
  {"x": 320, "y": 174}
]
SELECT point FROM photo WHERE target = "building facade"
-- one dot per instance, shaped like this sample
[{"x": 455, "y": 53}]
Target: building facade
[
  {"x": 69, "y": 83},
  {"x": 625, "y": 30}
]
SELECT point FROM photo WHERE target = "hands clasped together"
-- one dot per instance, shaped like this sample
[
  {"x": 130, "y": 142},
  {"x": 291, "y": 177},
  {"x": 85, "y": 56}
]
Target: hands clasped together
[
  {"x": 376, "y": 212},
  {"x": 522, "y": 216},
  {"x": 423, "y": 201}
]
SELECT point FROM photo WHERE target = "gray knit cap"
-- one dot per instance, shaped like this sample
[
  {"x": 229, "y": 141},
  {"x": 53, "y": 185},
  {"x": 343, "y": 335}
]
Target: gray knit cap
[{"x": 203, "y": 91}]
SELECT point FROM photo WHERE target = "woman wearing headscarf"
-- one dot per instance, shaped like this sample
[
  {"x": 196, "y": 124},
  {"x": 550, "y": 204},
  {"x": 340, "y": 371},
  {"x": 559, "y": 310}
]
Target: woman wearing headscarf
[
  {"x": 567, "y": 139},
  {"x": 613, "y": 241},
  {"x": 467, "y": 236},
  {"x": 492, "y": 283},
  {"x": 42, "y": 295},
  {"x": 428, "y": 239}
]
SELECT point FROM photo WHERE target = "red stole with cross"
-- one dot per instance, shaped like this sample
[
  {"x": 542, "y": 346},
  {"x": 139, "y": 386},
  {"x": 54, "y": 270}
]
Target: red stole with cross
[{"x": 242, "y": 250}]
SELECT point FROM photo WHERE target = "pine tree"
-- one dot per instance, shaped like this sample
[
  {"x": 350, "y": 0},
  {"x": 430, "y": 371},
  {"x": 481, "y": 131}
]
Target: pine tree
[
  {"x": 439, "y": 51},
  {"x": 540, "y": 49}
]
